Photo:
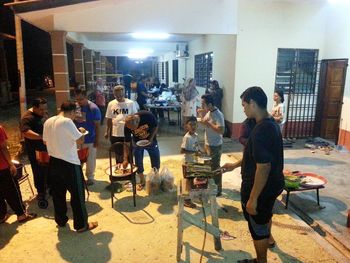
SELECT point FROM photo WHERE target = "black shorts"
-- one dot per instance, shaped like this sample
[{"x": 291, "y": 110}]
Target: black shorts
[{"x": 259, "y": 224}]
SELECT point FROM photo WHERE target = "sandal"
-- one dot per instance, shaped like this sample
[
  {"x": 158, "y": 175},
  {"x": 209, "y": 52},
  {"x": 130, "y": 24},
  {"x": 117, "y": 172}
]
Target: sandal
[
  {"x": 226, "y": 236},
  {"x": 89, "y": 227},
  {"x": 140, "y": 187},
  {"x": 190, "y": 204},
  {"x": 29, "y": 216},
  {"x": 4, "y": 219},
  {"x": 254, "y": 260},
  {"x": 272, "y": 245}
]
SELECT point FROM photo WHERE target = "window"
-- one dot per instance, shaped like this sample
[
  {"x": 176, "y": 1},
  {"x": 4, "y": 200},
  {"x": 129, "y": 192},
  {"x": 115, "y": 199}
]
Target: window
[
  {"x": 175, "y": 70},
  {"x": 296, "y": 70},
  {"x": 203, "y": 69}
]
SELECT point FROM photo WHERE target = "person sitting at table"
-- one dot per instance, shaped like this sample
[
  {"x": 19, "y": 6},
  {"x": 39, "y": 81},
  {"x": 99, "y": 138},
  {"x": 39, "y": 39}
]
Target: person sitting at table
[
  {"x": 143, "y": 127},
  {"x": 117, "y": 110}
]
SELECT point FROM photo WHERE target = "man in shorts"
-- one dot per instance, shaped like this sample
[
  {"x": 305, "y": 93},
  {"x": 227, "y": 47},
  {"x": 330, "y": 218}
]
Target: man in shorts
[{"x": 262, "y": 166}]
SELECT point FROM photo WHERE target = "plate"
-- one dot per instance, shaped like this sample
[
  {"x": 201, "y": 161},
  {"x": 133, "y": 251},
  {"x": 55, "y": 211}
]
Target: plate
[
  {"x": 312, "y": 180},
  {"x": 142, "y": 143}
]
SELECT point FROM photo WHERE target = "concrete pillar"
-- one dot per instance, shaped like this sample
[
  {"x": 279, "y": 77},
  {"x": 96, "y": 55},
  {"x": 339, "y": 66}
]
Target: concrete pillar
[
  {"x": 97, "y": 65},
  {"x": 5, "y": 92},
  {"x": 103, "y": 67},
  {"x": 79, "y": 63},
  {"x": 89, "y": 70},
  {"x": 60, "y": 66}
]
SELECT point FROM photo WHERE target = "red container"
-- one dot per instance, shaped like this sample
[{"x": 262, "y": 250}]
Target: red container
[
  {"x": 83, "y": 154},
  {"x": 43, "y": 158}
]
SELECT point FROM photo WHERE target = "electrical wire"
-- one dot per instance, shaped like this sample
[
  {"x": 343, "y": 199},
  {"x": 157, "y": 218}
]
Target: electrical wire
[{"x": 205, "y": 228}]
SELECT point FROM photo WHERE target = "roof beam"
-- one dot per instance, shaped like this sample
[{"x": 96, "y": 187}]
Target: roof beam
[{"x": 36, "y": 5}]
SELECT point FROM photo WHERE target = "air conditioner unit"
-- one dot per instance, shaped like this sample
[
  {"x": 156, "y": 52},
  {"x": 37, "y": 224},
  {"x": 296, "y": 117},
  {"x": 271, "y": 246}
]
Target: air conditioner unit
[{"x": 181, "y": 51}]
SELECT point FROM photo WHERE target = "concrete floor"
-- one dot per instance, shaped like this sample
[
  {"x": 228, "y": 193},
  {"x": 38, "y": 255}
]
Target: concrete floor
[{"x": 330, "y": 216}]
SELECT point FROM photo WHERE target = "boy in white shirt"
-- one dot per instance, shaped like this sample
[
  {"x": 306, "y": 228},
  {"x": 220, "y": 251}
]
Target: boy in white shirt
[{"x": 189, "y": 147}]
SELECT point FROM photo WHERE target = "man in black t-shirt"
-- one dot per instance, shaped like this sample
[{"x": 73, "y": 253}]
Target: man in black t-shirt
[
  {"x": 143, "y": 127},
  {"x": 261, "y": 169},
  {"x": 31, "y": 126}
]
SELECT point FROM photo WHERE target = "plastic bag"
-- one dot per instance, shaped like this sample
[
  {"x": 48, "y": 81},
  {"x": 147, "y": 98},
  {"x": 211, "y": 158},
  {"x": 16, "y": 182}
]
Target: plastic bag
[
  {"x": 153, "y": 182},
  {"x": 167, "y": 180}
]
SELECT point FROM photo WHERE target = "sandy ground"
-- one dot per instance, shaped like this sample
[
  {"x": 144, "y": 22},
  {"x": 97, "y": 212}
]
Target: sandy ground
[{"x": 148, "y": 232}]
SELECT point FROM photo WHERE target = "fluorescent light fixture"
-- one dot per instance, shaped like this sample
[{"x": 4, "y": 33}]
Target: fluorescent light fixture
[
  {"x": 139, "y": 53},
  {"x": 145, "y": 35}
]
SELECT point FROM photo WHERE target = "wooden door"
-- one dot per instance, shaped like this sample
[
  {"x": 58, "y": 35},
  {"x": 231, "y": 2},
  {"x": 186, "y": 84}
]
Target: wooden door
[{"x": 332, "y": 82}]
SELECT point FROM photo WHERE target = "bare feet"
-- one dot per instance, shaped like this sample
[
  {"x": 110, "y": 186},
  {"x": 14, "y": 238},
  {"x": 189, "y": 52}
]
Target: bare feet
[
  {"x": 90, "y": 226},
  {"x": 26, "y": 217}
]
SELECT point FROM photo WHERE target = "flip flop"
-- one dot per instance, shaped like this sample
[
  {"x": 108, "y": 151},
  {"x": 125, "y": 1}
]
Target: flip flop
[
  {"x": 4, "y": 219},
  {"x": 190, "y": 204},
  {"x": 272, "y": 245},
  {"x": 247, "y": 260},
  {"x": 140, "y": 187},
  {"x": 226, "y": 236},
  {"x": 90, "y": 226},
  {"x": 28, "y": 217}
]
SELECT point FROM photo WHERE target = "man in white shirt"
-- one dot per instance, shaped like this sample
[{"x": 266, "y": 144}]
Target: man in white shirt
[
  {"x": 117, "y": 110},
  {"x": 61, "y": 137}
]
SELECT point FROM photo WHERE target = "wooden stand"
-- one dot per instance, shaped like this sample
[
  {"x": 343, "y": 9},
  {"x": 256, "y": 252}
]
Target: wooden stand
[{"x": 213, "y": 229}]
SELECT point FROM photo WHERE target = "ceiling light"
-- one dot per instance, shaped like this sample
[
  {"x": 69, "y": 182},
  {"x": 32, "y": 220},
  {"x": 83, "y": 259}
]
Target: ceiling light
[
  {"x": 139, "y": 53},
  {"x": 144, "y": 35}
]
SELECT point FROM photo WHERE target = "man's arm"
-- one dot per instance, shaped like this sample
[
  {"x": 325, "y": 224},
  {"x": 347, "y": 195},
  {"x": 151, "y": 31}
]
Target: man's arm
[
  {"x": 217, "y": 128},
  {"x": 154, "y": 132},
  {"x": 97, "y": 133},
  {"x": 108, "y": 128},
  {"x": 261, "y": 175},
  {"x": 5, "y": 152},
  {"x": 29, "y": 134}
]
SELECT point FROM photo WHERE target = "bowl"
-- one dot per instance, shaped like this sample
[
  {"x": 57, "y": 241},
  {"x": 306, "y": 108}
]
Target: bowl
[
  {"x": 142, "y": 143},
  {"x": 292, "y": 181}
]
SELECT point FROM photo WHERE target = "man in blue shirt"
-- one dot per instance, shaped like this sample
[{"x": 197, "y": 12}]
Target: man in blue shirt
[
  {"x": 142, "y": 94},
  {"x": 88, "y": 116}
]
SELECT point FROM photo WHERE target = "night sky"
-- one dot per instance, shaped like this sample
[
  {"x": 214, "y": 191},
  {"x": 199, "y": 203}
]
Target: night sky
[{"x": 37, "y": 51}]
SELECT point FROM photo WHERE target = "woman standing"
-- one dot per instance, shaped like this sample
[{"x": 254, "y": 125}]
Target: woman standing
[
  {"x": 277, "y": 111},
  {"x": 216, "y": 92},
  {"x": 189, "y": 100}
]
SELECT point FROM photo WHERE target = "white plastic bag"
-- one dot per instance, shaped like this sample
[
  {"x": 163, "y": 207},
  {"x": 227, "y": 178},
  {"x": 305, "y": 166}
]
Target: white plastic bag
[
  {"x": 153, "y": 182},
  {"x": 167, "y": 180}
]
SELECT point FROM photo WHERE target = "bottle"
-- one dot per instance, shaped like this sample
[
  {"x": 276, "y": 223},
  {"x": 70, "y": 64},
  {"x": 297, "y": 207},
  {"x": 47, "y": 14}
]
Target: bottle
[{"x": 348, "y": 221}]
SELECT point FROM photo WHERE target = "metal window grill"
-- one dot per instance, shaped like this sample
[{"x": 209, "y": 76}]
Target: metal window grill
[{"x": 298, "y": 76}]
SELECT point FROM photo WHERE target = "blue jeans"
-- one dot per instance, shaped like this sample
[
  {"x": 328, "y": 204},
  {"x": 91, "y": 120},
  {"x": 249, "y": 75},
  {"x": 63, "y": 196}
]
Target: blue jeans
[{"x": 153, "y": 152}]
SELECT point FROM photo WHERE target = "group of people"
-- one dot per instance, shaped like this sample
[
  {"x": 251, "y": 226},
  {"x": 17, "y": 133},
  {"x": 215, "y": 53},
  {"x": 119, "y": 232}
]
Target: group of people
[
  {"x": 78, "y": 123},
  {"x": 262, "y": 162}
]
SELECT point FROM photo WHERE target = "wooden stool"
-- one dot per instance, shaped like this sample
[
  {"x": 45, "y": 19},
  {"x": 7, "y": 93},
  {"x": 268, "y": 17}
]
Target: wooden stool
[{"x": 213, "y": 229}]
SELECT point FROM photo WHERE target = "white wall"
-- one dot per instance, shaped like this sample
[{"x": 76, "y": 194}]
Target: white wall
[
  {"x": 224, "y": 49},
  {"x": 169, "y": 57},
  {"x": 265, "y": 26},
  {"x": 338, "y": 46},
  {"x": 180, "y": 16}
]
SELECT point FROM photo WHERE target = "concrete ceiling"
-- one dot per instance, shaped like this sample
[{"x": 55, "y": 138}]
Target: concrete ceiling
[{"x": 105, "y": 25}]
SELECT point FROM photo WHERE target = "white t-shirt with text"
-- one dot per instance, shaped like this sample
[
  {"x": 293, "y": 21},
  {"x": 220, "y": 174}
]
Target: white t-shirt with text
[{"x": 117, "y": 111}]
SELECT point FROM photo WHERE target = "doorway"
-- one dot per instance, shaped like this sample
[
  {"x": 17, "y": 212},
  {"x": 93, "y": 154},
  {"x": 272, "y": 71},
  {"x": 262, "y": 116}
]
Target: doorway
[{"x": 330, "y": 98}]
